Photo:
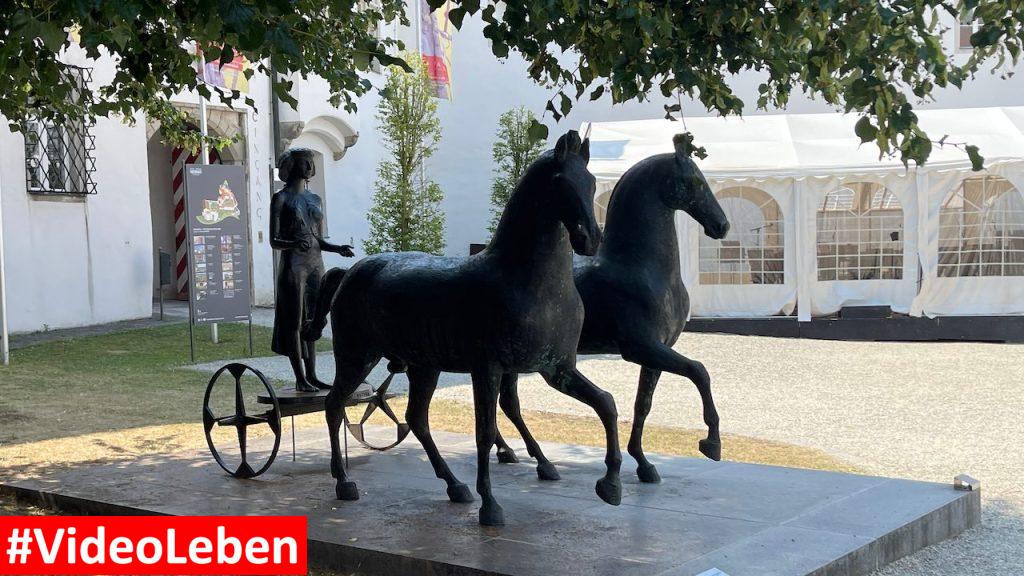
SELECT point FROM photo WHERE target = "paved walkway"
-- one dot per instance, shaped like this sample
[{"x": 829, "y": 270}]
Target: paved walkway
[{"x": 925, "y": 411}]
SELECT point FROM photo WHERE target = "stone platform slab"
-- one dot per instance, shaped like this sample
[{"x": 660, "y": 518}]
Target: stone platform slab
[{"x": 738, "y": 519}]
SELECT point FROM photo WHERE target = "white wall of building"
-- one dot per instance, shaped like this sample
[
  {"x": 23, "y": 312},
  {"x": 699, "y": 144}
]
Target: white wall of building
[
  {"x": 78, "y": 261},
  {"x": 73, "y": 261}
]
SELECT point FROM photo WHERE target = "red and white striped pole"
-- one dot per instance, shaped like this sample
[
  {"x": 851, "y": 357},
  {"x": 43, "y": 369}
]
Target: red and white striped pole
[{"x": 179, "y": 158}]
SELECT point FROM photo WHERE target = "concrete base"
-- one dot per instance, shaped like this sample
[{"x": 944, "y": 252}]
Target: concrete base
[{"x": 740, "y": 519}]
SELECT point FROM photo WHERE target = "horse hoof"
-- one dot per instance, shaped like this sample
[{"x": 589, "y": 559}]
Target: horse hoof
[
  {"x": 710, "y": 448},
  {"x": 459, "y": 493},
  {"x": 492, "y": 516},
  {"x": 610, "y": 491},
  {"x": 346, "y": 491},
  {"x": 547, "y": 471},
  {"x": 507, "y": 456},
  {"x": 648, "y": 474}
]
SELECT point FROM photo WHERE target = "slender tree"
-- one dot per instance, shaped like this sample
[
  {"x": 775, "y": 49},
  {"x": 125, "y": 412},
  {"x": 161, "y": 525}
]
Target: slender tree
[
  {"x": 406, "y": 213},
  {"x": 513, "y": 150}
]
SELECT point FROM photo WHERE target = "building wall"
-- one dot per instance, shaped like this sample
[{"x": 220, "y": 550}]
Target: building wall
[{"x": 78, "y": 261}]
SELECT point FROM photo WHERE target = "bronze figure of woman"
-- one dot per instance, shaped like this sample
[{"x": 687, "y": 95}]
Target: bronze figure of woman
[{"x": 296, "y": 229}]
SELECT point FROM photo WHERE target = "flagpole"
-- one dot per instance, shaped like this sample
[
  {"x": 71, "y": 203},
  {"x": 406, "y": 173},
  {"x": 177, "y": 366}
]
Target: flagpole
[
  {"x": 419, "y": 27},
  {"x": 205, "y": 159}
]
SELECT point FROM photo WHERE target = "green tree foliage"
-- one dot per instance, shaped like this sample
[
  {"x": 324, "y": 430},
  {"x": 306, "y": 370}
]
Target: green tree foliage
[
  {"x": 406, "y": 213},
  {"x": 873, "y": 58},
  {"x": 514, "y": 148},
  {"x": 152, "y": 45}
]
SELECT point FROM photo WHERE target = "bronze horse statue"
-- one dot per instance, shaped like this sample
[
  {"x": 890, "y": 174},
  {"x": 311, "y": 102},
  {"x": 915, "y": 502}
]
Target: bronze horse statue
[
  {"x": 636, "y": 304},
  {"x": 511, "y": 308}
]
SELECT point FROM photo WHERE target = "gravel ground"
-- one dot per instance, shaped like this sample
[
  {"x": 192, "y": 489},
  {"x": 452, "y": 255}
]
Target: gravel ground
[{"x": 926, "y": 411}]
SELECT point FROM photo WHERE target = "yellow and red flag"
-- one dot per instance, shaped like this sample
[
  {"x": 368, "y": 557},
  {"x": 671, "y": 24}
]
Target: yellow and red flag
[{"x": 231, "y": 76}]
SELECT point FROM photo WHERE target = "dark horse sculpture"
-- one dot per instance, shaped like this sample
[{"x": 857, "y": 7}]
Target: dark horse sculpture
[
  {"x": 636, "y": 304},
  {"x": 511, "y": 308}
]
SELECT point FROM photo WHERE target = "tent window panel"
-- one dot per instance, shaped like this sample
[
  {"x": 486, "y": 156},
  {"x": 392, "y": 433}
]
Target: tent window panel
[
  {"x": 860, "y": 234},
  {"x": 753, "y": 251},
  {"x": 981, "y": 230}
]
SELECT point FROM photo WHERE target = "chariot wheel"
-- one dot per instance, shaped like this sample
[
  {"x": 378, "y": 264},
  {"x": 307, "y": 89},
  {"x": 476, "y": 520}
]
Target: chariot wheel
[
  {"x": 377, "y": 398},
  {"x": 240, "y": 420}
]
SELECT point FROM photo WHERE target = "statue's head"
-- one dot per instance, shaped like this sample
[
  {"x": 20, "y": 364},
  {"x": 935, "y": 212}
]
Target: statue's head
[
  {"x": 571, "y": 191},
  {"x": 691, "y": 192},
  {"x": 296, "y": 164}
]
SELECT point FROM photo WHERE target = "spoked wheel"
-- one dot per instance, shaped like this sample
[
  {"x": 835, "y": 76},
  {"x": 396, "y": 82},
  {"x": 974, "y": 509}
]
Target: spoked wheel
[
  {"x": 374, "y": 399},
  {"x": 241, "y": 420}
]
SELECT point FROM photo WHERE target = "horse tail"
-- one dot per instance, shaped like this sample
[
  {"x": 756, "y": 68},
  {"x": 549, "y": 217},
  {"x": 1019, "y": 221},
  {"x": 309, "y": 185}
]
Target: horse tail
[{"x": 329, "y": 286}]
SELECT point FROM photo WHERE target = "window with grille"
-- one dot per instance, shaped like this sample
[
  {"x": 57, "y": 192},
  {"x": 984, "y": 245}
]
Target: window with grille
[
  {"x": 753, "y": 251},
  {"x": 59, "y": 157},
  {"x": 860, "y": 234},
  {"x": 981, "y": 229}
]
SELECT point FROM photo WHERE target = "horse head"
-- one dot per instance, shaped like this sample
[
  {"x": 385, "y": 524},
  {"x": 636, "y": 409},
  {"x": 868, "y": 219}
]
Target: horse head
[
  {"x": 691, "y": 192},
  {"x": 572, "y": 190}
]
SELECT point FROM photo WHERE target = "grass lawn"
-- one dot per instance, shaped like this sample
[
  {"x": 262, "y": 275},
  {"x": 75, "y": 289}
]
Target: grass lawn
[{"x": 121, "y": 395}]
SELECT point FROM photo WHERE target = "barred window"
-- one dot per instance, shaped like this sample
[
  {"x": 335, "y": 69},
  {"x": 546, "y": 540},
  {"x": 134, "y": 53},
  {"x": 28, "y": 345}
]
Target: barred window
[
  {"x": 981, "y": 229},
  {"x": 860, "y": 234},
  {"x": 59, "y": 157},
  {"x": 753, "y": 251}
]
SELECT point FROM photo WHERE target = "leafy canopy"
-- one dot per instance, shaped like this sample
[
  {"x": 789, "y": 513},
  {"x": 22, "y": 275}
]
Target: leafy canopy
[
  {"x": 406, "y": 213},
  {"x": 153, "y": 44},
  {"x": 514, "y": 149},
  {"x": 875, "y": 58}
]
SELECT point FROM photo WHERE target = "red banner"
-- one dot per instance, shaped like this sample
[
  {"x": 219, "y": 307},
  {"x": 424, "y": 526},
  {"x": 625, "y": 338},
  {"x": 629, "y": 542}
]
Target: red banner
[{"x": 153, "y": 545}]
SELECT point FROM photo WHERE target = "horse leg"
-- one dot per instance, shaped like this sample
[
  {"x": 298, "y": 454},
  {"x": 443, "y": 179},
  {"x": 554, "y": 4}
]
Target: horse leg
[
  {"x": 568, "y": 380},
  {"x": 509, "y": 401},
  {"x": 661, "y": 357},
  {"x": 351, "y": 370},
  {"x": 422, "y": 382},
  {"x": 644, "y": 393},
  {"x": 485, "y": 404},
  {"x": 506, "y": 455}
]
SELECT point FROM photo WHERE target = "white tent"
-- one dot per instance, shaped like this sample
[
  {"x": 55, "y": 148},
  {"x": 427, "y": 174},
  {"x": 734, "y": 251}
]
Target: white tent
[{"x": 819, "y": 220}]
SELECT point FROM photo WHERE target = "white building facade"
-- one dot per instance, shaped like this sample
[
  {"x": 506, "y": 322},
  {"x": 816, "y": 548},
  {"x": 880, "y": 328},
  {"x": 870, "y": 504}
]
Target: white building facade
[{"x": 80, "y": 259}]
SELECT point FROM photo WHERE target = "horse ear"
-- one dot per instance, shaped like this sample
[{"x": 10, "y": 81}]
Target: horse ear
[
  {"x": 683, "y": 144},
  {"x": 585, "y": 151},
  {"x": 569, "y": 143},
  {"x": 562, "y": 148}
]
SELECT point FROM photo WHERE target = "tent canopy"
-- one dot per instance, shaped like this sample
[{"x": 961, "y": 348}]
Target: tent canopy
[{"x": 798, "y": 145}]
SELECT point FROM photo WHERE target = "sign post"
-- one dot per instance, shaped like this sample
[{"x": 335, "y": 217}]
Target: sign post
[{"x": 216, "y": 207}]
